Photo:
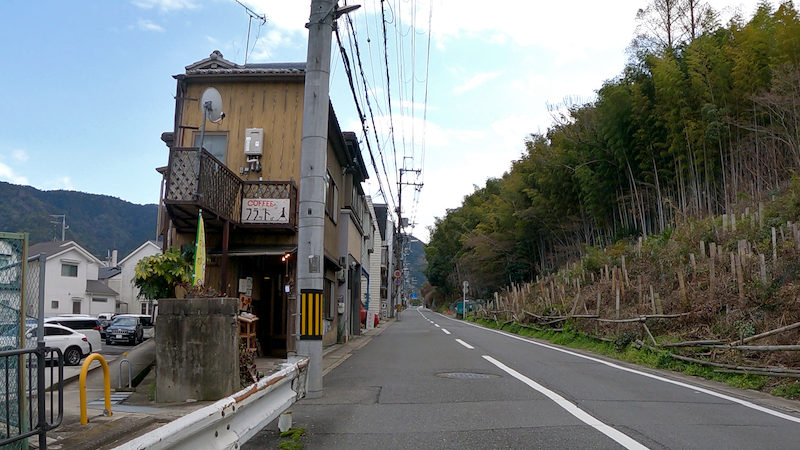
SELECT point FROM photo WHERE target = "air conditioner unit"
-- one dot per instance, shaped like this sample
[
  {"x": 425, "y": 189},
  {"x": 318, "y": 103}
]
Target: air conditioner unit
[
  {"x": 340, "y": 275},
  {"x": 253, "y": 141}
]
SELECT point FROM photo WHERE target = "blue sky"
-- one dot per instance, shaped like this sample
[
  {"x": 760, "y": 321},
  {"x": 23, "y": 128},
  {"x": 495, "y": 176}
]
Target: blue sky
[{"x": 88, "y": 85}]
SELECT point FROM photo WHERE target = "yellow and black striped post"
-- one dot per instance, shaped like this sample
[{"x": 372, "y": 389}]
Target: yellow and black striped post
[{"x": 311, "y": 314}]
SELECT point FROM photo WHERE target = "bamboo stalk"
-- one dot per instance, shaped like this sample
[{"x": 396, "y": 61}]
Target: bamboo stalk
[
  {"x": 650, "y": 334},
  {"x": 758, "y": 372},
  {"x": 758, "y": 348},
  {"x": 774, "y": 370},
  {"x": 682, "y": 285},
  {"x": 771, "y": 332},
  {"x": 774, "y": 250},
  {"x": 694, "y": 343}
]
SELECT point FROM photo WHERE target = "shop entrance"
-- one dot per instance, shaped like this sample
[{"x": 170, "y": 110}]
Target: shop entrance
[{"x": 269, "y": 304}]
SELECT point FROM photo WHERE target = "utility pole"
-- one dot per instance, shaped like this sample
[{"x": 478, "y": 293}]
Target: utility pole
[
  {"x": 313, "y": 167},
  {"x": 401, "y": 225},
  {"x": 64, "y": 226}
]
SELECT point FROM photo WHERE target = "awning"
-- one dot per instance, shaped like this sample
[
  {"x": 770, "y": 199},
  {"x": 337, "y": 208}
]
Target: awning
[{"x": 264, "y": 250}]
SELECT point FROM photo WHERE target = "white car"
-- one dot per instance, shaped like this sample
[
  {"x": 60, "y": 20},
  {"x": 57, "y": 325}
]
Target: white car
[
  {"x": 82, "y": 323},
  {"x": 74, "y": 346}
]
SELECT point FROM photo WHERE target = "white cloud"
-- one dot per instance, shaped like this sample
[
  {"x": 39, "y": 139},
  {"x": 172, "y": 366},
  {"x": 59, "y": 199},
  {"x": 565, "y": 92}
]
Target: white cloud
[
  {"x": 475, "y": 81},
  {"x": 64, "y": 182},
  {"x": 19, "y": 155},
  {"x": 147, "y": 25},
  {"x": 165, "y": 5},
  {"x": 287, "y": 15},
  {"x": 7, "y": 174},
  {"x": 211, "y": 40},
  {"x": 265, "y": 46}
]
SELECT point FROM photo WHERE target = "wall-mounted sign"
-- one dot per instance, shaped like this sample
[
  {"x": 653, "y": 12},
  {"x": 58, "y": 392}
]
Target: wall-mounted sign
[{"x": 265, "y": 210}]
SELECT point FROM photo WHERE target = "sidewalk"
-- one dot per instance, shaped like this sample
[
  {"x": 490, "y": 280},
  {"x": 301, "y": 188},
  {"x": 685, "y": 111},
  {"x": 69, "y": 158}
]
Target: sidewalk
[{"x": 136, "y": 413}]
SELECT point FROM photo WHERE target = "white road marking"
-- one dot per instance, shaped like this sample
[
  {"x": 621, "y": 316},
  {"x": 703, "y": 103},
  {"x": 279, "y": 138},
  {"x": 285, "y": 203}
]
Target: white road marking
[
  {"x": 621, "y": 438},
  {"x": 437, "y": 325},
  {"x": 445, "y": 331},
  {"x": 464, "y": 344},
  {"x": 739, "y": 401}
]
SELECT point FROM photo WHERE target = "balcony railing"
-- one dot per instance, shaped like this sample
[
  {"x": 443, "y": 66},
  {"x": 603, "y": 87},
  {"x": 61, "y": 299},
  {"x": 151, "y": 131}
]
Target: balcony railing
[{"x": 203, "y": 182}]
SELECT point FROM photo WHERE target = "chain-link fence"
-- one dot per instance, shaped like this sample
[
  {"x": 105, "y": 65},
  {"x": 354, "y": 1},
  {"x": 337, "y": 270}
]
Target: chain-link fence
[{"x": 21, "y": 292}]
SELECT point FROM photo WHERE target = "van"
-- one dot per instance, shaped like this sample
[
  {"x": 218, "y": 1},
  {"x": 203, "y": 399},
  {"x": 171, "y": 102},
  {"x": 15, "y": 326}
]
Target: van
[{"x": 82, "y": 323}]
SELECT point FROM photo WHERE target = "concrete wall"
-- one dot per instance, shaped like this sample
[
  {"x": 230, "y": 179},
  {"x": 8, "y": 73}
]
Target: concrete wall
[{"x": 197, "y": 349}]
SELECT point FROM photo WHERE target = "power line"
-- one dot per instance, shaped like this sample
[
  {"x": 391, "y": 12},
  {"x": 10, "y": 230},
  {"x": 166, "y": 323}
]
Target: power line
[{"x": 348, "y": 71}]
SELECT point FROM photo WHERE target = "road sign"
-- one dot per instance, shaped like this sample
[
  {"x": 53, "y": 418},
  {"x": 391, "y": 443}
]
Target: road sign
[
  {"x": 414, "y": 295},
  {"x": 397, "y": 274},
  {"x": 397, "y": 281}
]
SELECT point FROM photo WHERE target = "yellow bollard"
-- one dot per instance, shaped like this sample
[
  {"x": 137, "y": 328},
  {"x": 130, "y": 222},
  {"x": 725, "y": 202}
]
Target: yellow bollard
[{"x": 82, "y": 384}]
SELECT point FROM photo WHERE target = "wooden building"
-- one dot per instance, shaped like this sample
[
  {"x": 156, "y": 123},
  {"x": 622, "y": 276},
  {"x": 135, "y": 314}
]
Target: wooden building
[{"x": 245, "y": 181}]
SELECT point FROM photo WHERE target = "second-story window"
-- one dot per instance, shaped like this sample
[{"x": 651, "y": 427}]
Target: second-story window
[
  {"x": 331, "y": 198},
  {"x": 69, "y": 270},
  {"x": 216, "y": 143}
]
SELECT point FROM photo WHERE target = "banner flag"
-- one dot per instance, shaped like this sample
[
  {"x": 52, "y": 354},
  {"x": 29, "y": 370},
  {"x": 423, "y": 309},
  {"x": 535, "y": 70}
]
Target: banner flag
[{"x": 199, "y": 275}]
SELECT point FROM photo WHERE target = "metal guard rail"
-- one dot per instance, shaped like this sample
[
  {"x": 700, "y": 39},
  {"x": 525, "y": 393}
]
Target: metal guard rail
[
  {"x": 233, "y": 420},
  {"x": 36, "y": 393}
]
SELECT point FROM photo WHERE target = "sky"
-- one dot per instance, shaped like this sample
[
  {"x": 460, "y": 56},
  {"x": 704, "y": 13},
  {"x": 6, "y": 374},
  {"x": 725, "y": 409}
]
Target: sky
[{"x": 88, "y": 88}]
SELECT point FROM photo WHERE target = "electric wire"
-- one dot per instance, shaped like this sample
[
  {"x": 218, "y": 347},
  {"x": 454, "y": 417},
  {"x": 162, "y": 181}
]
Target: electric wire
[{"x": 362, "y": 118}]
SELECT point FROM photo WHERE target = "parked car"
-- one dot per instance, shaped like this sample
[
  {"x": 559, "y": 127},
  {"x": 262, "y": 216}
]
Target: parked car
[
  {"x": 106, "y": 316},
  {"x": 83, "y": 323},
  {"x": 148, "y": 324},
  {"x": 73, "y": 345},
  {"x": 125, "y": 328}
]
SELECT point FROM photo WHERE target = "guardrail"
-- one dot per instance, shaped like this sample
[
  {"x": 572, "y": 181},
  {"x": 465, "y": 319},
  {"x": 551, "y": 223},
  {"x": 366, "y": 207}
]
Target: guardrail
[
  {"x": 233, "y": 420},
  {"x": 23, "y": 404}
]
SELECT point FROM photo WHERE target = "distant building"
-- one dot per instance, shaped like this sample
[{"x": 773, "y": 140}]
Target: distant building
[
  {"x": 121, "y": 279},
  {"x": 72, "y": 285}
]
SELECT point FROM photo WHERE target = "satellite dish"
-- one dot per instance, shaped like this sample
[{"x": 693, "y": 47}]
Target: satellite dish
[{"x": 211, "y": 105}]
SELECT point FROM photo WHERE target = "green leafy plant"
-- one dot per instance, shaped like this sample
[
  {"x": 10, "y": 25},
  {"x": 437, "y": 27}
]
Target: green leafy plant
[{"x": 157, "y": 276}]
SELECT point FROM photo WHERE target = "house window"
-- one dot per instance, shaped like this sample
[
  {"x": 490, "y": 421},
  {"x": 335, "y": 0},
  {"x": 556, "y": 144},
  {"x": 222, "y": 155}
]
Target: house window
[
  {"x": 54, "y": 304},
  {"x": 100, "y": 299},
  {"x": 331, "y": 198},
  {"x": 144, "y": 308},
  {"x": 69, "y": 270},
  {"x": 215, "y": 143},
  {"x": 76, "y": 307},
  {"x": 328, "y": 305}
]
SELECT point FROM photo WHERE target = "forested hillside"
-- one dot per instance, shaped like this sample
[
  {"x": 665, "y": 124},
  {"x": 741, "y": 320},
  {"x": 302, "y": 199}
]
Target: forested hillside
[
  {"x": 98, "y": 223},
  {"x": 704, "y": 120}
]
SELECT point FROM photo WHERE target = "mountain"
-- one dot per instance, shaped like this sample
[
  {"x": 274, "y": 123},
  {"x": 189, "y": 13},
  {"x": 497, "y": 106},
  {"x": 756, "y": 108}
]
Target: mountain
[
  {"x": 416, "y": 263},
  {"x": 98, "y": 223}
]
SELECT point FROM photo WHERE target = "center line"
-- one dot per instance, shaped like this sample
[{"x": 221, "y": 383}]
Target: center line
[
  {"x": 437, "y": 325},
  {"x": 445, "y": 331},
  {"x": 621, "y": 438},
  {"x": 464, "y": 344}
]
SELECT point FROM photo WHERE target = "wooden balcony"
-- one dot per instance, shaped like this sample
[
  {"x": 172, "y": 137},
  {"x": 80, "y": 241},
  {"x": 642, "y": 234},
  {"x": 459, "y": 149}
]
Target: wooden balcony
[{"x": 196, "y": 182}]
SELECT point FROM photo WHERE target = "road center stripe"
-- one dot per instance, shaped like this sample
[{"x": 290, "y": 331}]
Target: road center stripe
[
  {"x": 464, "y": 344},
  {"x": 621, "y": 438},
  {"x": 445, "y": 331}
]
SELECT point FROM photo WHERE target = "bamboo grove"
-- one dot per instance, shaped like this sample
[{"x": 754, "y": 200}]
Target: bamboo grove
[{"x": 692, "y": 127}]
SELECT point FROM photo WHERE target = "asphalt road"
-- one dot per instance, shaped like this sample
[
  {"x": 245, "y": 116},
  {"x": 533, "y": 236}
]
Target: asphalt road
[{"x": 429, "y": 381}]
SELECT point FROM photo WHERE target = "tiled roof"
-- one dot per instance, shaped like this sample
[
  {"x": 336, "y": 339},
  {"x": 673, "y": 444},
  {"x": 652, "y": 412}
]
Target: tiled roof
[
  {"x": 216, "y": 64},
  {"x": 97, "y": 287},
  {"x": 49, "y": 248}
]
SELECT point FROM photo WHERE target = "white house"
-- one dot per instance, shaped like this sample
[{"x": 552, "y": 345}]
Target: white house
[
  {"x": 371, "y": 287},
  {"x": 121, "y": 280},
  {"x": 71, "y": 280}
]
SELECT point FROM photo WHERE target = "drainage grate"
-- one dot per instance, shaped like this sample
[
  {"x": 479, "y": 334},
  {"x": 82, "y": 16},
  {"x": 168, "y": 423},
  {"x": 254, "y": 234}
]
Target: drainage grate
[{"x": 467, "y": 375}]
